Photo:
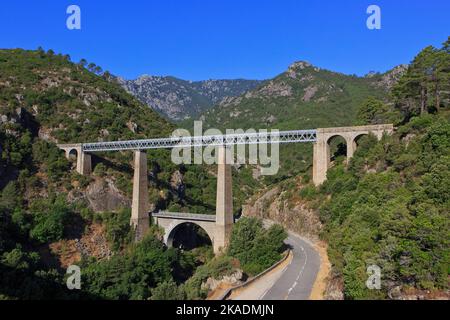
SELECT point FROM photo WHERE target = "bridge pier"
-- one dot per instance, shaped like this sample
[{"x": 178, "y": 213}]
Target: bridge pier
[
  {"x": 224, "y": 200},
  {"x": 321, "y": 156},
  {"x": 139, "y": 210},
  {"x": 84, "y": 162}
]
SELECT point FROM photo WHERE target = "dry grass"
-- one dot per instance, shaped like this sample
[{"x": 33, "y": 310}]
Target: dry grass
[{"x": 318, "y": 289}]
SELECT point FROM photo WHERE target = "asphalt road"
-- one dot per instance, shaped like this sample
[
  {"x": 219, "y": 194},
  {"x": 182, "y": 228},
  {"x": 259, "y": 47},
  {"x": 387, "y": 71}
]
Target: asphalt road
[{"x": 297, "y": 280}]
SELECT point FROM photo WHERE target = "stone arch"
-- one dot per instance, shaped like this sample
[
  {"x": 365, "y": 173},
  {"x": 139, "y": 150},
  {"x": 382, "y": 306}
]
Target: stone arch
[
  {"x": 72, "y": 154},
  {"x": 172, "y": 229},
  {"x": 328, "y": 142},
  {"x": 357, "y": 137}
]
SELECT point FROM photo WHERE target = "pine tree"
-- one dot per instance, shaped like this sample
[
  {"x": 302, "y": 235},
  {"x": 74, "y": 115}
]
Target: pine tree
[{"x": 425, "y": 82}]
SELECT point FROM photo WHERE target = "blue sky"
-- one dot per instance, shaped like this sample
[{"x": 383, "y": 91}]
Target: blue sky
[{"x": 203, "y": 39}]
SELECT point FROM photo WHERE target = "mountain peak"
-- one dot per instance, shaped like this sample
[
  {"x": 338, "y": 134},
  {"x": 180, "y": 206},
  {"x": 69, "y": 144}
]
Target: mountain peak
[{"x": 300, "y": 65}]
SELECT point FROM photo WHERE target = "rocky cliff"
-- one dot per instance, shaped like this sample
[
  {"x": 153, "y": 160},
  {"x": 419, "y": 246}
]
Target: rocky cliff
[{"x": 178, "y": 99}]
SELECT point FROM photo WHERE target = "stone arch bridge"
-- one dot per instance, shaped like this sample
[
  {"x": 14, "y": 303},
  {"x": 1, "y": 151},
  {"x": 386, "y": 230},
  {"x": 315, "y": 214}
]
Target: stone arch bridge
[{"x": 218, "y": 226}]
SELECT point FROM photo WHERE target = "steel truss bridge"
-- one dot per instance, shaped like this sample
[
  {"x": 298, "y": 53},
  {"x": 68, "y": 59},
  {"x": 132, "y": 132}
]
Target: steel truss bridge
[{"x": 293, "y": 136}]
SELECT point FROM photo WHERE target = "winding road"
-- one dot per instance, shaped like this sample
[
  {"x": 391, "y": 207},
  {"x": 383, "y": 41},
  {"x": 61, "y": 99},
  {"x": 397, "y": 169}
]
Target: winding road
[{"x": 297, "y": 280}]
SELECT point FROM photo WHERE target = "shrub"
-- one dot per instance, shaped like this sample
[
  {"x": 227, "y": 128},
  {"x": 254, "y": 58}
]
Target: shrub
[
  {"x": 255, "y": 247},
  {"x": 168, "y": 290},
  {"x": 50, "y": 218}
]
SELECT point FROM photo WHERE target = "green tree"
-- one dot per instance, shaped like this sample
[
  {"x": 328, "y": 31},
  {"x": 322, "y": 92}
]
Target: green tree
[
  {"x": 372, "y": 111},
  {"x": 83, "y": 63},
  {"x": 168, "y": 290},
  {"x": 50, "y": 218},
  {"x": 426, "y": 82},
  {"x": 9, "y": 196},
  {"x": 255, "y": 247}
]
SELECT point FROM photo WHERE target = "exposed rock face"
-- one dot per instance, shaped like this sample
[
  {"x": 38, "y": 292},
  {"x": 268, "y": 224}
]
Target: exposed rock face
[
  {"x": 176, "y": 182},
  {"x": 19, "y": 116},
  {"x": 399, "y": 293},
  {"x": 334, "y": 289},
  {"x": 92, "y": 243},
  {"x": 310, "y": 91},
  {"x": 102, "y": 195},
  {"x": 233, "y": 279},
  {"x": 179, "y": 99},
  {"x": 391, "y": 77},
  {"x": 293, "y": 214},
  {"x": 273, "y": 88}
]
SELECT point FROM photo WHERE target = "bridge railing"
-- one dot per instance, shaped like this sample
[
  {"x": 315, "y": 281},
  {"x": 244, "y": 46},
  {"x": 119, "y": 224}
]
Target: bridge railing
[
  {"x": 184, "y": 216},
  {"x": 201, "y": 141}
]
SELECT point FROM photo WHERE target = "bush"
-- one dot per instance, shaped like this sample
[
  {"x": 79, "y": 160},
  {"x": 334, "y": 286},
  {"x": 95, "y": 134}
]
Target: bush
[
  {"x": 100, "y": 170},
  {"x": 168, "y": 290},
  {"x": 118, "y": 231},
  {"x": 131, "y": 275},
  {"x": 50, "y": 218},
  {"x": 216, "y": 268},
  {"x": 255, "y": 247},
  {"x": 396, "y": 218}
]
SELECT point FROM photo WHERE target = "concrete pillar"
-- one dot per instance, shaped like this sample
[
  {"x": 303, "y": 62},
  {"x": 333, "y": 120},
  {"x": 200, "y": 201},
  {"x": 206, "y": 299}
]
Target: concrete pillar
[
  {"x": 351, "y": 147},
  {"x": 84, "y": 163},
  {"x": 224, "y": 200},
  {"x": 139, "y": 210},
  {"x": 321, "y": 159}
]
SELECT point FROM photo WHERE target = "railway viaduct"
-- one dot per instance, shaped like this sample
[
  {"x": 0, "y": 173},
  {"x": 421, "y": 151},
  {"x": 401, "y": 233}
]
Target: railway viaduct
[{"x": 218, "y": 226}]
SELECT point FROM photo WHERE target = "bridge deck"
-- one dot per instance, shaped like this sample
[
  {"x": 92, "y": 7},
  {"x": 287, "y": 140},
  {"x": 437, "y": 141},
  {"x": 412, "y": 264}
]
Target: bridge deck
[
  {"x": 184, "y": 216},
  {"x": 274, "y": 136}
]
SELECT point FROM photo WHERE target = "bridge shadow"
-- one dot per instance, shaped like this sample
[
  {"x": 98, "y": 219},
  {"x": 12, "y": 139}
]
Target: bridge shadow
[
  {"x": 8, "y": 174},
  {"x": 286, "y": 246},
  {"x": 121, "y": 167},
  {"x": 161, "y": 204},
  {"x": 180, "y": 194}
]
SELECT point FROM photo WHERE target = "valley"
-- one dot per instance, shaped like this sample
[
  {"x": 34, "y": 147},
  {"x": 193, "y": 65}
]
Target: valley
[{"x": 387, "y": 204}]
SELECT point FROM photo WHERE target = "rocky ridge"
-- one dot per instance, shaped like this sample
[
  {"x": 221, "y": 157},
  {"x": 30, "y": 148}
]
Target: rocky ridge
[{"x": 179, "y": 99}]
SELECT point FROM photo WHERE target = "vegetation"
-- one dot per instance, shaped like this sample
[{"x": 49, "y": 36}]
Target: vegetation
[
  {"x": 66, "y": 102},
  {"x": 303, "y": 97},
  {"x": 375, "y": 111},
  {"x": 389, "y": 206},
  {"x": 130, "y": 275},
  {"x": 255, "y": 247},
  {"x": 426, "y": 85},
  {"x": 45, "y": 95},
  {"x": 396, "y": 217}
]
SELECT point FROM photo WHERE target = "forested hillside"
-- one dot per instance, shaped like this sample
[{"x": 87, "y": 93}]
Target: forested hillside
[
  {"x": 303, "y": 97},
  {"x": 389, "y": 206},
  {"x": 51, "y": 217}
]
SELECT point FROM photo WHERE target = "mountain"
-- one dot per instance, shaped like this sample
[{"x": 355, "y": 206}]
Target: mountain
[
  {"x": 52, "y": 217},
  {"x": 47, "y": 99},
  {"x": 387, "y": 208},
  {"x": 303, "y": 97},
  {"x": 69, "y": 103},
  {"x": 178, "y": 99}
]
